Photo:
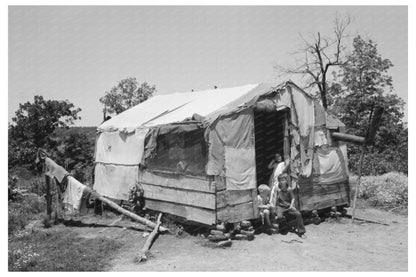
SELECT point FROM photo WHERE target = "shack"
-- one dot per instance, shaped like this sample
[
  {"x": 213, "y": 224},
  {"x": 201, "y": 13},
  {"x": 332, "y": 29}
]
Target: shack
[{"x": 201, "y": 155}]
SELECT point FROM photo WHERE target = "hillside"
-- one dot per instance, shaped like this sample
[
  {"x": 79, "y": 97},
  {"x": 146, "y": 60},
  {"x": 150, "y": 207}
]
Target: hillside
[{"x": 90, "y": 132}]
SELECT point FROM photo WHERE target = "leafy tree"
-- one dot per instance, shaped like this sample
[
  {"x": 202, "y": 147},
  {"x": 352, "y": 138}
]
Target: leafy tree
[
  {"x": 126, "y": 94},
  {"x": 76, "y": 155},
  {"x": 76, "y": 149},
  {"x": 364, "y": 82},
  {"x": 33, "y": 125}
]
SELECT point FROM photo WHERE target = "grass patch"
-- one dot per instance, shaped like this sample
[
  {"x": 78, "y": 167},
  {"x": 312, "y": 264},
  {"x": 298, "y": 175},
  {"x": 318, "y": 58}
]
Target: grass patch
[
  {"x": 61, "y": 250},
  {"x": 24, "y": 210},
  {"x": 388, "y": 191}
]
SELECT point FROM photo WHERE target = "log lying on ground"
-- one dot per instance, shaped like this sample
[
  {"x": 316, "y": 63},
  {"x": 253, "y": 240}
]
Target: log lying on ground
[
  {"x": 142, "y": 256},
  {"x": 116, "y": 207}
]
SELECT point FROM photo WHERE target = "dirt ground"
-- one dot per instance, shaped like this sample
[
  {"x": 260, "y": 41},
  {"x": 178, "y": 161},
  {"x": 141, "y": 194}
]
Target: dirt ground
[{"x": 333, "y": 245}]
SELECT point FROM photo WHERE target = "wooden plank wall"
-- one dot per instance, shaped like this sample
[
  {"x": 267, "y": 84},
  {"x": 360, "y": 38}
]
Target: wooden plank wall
[
  {"x": 234, "y": 205},
  {"x": 192, "y": 198},
  {"x": 313, "y": 196},
  {"x": 197, "y": 199}
]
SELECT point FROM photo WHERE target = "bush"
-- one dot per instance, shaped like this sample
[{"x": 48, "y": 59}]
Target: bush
[
  {"x": 387, "y": 190},
  {"x": 37, "y": 186},
  {"x": 378, "y": 163}
]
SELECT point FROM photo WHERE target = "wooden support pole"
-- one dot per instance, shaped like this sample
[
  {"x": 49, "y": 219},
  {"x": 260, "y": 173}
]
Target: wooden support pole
[
  {"x": 48, "y": 197},
  {"x": 357, "y": 187},
  {"x": 142, "y": 256}
]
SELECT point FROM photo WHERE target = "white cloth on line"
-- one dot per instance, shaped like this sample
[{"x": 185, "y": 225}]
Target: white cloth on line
[{"x": 73, "y": 193}]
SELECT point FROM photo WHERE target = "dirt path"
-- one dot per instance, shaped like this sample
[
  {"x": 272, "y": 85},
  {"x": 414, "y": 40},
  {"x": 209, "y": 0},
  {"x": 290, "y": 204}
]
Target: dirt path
[{"x": 330, "y": 246}]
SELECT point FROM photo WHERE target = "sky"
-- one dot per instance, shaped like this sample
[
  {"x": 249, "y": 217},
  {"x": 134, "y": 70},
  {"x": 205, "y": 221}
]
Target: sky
[{"x": 77, "y": 53}]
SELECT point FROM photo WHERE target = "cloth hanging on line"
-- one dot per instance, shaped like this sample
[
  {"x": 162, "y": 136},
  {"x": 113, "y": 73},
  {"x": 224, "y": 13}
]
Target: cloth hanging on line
[
  {"x": 73, "y": 194},
  {"x": 54, "y": 170}
]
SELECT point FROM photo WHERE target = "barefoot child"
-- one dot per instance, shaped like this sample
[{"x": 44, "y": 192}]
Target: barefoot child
[
  {"x": 263, "y": 200},
  {"x": 285, "y": 204}
]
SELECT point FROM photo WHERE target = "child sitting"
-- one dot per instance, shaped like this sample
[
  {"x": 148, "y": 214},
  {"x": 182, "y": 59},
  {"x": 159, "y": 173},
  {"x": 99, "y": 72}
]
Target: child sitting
[
  {"x": 263, "y": 200},
  {"x": 285, "y": 204}
]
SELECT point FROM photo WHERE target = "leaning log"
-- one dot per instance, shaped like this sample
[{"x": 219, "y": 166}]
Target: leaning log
[{"x": 116, "y": 207}]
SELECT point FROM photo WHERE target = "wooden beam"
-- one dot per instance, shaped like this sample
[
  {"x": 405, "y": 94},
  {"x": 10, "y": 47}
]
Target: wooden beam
[
  {"x": 324, "y": 204},
  {"x": 190, "y": 213},
  {"x": 357, "y": 187},
  {"x": 236, "y": 213},
  {"x": 187, "y": 197},
  {"x": 323, "y": 189},
  {"x": 233, "y": 197},
  {"x": 348, "y": 138},
  {"x": 177, "y": 181},
  {"x": 255, "y": 204}
]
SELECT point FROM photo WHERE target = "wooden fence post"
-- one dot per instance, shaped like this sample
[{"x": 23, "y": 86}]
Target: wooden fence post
[{"x": 48, "y": 197}]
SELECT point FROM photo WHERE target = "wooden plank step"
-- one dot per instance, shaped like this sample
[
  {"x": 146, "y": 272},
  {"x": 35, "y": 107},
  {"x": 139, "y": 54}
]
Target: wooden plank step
[{"x": 200, "y": 215}]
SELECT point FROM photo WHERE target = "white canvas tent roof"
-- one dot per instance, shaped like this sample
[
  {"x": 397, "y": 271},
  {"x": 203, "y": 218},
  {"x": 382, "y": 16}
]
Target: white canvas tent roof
[
  {"x": 176, "y": 107},
  {"x": 170, "y": 108}
]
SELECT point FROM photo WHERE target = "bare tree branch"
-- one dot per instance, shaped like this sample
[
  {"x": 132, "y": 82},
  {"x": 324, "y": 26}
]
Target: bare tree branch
[{"x": 320, "y": 53}]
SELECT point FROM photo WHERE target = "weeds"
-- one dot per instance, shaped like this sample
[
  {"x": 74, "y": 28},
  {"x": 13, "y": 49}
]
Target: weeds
[
  {"x": 24, "y": 210},
  {"x": 389, "y": 190},
  {"x": 60, "y": 251}
]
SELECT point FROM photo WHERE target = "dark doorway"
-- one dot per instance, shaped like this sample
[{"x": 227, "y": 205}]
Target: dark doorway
[{"x": 269, "y": 130}]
